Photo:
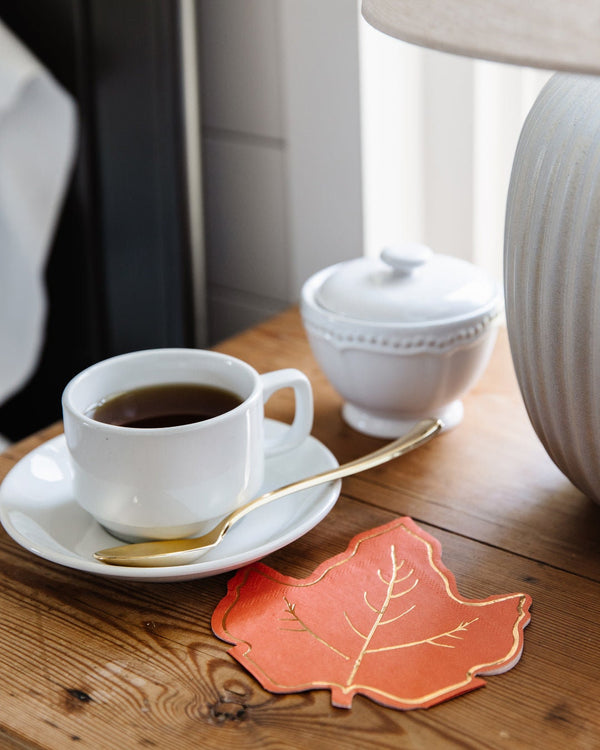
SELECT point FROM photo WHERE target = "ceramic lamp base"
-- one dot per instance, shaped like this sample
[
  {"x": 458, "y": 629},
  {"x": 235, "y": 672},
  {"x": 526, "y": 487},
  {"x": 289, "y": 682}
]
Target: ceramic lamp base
[
  {"x": 552, "y": 274},
  {"x": 391, "y": 427}
]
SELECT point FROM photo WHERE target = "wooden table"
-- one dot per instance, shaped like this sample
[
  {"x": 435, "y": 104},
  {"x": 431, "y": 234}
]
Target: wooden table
[{"x": 87, "y": 661}]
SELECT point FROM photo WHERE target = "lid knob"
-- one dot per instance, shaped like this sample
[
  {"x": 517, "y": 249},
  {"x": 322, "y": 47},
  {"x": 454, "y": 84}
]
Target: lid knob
[{"x": 405, "y": 258}]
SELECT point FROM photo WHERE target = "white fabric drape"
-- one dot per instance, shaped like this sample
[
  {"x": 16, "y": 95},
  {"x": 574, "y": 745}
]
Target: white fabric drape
[{"x": 37, "y": 145}]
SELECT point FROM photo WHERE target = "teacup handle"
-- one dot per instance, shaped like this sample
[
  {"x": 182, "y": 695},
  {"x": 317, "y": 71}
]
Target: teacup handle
[{"x": 300, "y": 428}]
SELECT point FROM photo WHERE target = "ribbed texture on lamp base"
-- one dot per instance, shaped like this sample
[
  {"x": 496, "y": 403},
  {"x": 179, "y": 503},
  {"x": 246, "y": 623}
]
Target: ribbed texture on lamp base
[{"x": 552, "y": 274}]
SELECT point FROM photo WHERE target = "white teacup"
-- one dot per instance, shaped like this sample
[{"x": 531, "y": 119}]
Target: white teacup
[{"x": 168, "y": 482}]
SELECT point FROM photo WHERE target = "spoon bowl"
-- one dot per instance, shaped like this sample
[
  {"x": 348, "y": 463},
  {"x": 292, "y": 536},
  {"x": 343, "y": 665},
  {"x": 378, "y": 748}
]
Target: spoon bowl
[{"x": 183, "y": 551}]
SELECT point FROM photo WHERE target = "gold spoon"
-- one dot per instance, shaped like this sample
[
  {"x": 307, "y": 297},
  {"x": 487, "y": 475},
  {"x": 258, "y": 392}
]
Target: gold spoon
[{"x": 182, "y": 551}]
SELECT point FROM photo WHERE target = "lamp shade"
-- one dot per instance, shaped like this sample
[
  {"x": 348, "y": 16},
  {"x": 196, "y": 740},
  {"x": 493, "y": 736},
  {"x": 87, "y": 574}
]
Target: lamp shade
[{"x": 553, "y": 34}]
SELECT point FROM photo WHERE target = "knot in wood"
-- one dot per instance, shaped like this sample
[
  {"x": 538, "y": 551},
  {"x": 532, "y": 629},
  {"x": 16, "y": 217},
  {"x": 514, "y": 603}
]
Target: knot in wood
[{"x": 225, "y": 710}]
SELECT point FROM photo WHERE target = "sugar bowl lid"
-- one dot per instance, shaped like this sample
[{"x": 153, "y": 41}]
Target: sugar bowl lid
[{"x": 410, "y": 285}]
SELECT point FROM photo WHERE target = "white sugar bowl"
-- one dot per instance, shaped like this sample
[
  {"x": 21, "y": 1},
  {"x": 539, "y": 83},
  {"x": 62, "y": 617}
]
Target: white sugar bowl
[{"x": 402, "y": 338}]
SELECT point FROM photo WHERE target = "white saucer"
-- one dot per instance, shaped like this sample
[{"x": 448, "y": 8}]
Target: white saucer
[{"x": 39, "y": 511}]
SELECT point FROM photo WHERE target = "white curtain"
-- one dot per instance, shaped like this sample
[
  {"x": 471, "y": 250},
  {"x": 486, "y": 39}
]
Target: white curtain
[
  {"x": 38, "y": 134},
  {"x": 439, "y": 135}
]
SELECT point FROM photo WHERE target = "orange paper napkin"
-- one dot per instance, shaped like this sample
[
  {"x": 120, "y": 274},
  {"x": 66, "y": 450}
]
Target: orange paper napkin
[{"x": 384, "y": 619}]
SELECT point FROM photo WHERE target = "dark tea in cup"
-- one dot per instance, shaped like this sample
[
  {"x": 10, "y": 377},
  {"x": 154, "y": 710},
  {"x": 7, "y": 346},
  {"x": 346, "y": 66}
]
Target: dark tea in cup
[{"x": 164, "y": 405}]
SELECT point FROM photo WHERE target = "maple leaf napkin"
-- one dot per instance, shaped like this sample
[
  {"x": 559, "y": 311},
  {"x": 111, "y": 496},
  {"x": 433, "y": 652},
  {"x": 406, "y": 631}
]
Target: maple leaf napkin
[{"x": 384, "y": 619}]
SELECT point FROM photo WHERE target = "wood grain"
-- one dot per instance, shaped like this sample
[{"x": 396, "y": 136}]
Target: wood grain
[{"x": 98, "y": 663}]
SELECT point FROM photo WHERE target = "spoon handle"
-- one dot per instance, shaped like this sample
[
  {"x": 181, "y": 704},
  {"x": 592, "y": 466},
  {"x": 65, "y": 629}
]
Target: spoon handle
[{"x": 417, "y": 436}]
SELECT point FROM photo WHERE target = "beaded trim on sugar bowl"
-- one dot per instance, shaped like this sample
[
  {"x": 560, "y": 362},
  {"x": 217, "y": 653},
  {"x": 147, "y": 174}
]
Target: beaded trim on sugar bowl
[{"x": 414, "y": 343}]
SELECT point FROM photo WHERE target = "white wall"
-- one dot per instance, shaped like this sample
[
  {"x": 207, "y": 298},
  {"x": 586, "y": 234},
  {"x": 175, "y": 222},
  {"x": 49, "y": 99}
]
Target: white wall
[
  {"x": 324, "y": 139},
  {"x": 439, "y": 137},
  {"x": 281, "y": 150}
]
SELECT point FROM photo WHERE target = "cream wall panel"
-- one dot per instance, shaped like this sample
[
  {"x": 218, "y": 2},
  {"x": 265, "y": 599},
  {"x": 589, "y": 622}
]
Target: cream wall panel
[
  {"x": 245, "y": 217},
  {"x": 240, "y": 62},
  {"x": 281, "y": 150},
  {"x": 321, "y": 105},
  {"x": 233, "y": 311}
]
